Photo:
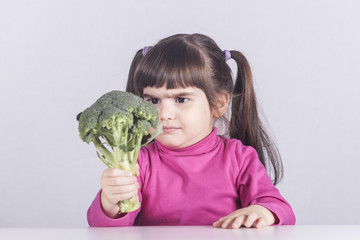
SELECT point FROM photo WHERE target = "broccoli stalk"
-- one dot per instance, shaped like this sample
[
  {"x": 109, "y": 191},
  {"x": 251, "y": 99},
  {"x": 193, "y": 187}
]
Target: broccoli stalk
[{"x": 116, "y": 124}]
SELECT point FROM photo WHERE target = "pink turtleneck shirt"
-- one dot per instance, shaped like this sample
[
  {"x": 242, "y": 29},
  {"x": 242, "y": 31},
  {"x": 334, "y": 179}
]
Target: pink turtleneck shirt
[{"x": 197, "y": 185}]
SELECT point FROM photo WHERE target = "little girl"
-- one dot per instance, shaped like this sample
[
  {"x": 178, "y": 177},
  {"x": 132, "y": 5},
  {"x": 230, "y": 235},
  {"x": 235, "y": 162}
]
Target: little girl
[{"x": 190, "y": 175}]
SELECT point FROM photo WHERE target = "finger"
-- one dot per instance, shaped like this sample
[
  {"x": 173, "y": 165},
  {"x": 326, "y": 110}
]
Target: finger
[
  {"x": 116, "y": 172},
  {"x": 238, "y": 221},
  {"x": 218, "y": 222},
  {"x": 260, "y": 223},
  {"x": 228, "y": 221},
  {"x": 124, "y": 189},
  {"x": 125, "y": 196},
  {"x": 251, "y": 219},
  {"x": 120, "y": 181}
]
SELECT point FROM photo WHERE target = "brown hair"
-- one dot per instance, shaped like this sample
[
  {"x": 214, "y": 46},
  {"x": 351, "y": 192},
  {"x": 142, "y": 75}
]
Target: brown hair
[{"x": 195, "y": 60}]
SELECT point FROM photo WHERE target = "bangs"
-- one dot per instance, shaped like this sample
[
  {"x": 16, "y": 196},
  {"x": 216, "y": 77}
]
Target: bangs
[{"x": 173, "y": 64}]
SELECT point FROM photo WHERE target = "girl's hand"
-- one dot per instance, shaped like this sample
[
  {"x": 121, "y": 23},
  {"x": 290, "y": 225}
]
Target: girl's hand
[
  {"x": 117, "y": 185},
  {"x": 253, "y": 216}
]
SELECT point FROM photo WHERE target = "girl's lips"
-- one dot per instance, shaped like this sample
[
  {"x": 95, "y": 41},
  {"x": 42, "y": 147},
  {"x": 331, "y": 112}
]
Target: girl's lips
[{"x": 169, "y": 129}]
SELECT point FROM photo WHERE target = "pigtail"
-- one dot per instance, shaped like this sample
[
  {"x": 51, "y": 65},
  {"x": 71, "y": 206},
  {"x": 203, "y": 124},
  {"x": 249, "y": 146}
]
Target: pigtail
[
  {"x": 130, "y": 86},
  {"x": 245, "y": 123}
]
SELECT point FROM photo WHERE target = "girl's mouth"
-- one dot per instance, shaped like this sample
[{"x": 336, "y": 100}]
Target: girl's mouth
[{"x": 169, "y": 129}]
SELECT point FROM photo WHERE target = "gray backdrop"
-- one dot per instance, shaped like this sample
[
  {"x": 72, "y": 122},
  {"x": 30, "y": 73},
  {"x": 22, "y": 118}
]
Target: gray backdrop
[{"x": 57, "y": 57}]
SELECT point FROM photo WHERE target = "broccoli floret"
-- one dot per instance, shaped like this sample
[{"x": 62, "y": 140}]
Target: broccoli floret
[{"x": 116, "y": 124}]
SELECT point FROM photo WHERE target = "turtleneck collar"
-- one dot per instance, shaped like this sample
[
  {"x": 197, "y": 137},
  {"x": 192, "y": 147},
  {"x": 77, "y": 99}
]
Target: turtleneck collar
[{"x": 203, "y": 146}]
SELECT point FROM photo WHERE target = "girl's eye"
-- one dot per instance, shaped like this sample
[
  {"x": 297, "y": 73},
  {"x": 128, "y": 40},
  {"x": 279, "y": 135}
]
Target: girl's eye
[
  {"x": 181, "y": 100},
  {"x": 154, "y": 100}
]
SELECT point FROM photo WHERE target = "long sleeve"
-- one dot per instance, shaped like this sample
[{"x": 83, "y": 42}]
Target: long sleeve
[
  {"x": 197, "y": 185},
  {"x": 97, "y": 218},
  {"x": 255, "y": 187}
]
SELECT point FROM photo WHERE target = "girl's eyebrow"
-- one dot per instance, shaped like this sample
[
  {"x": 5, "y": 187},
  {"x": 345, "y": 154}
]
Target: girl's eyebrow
[{"x": 180, "y": 94}]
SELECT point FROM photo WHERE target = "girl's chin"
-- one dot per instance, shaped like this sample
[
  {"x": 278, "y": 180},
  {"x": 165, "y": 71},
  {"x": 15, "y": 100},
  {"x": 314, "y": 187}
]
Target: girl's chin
[{"x": 170, "y": 144}]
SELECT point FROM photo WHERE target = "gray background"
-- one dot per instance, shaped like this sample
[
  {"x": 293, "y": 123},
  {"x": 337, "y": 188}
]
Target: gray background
[{"x": 57, "y": 57}]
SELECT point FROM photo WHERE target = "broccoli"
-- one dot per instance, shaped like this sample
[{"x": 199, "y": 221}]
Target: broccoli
[{"x": 116, "y": 124}]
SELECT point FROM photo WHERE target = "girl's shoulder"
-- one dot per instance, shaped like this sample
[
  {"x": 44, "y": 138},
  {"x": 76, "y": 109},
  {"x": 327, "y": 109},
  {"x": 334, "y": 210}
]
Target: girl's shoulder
[
  {"x": 234, "y": 142},
  {"x": 237, "y": 147},
  {"x": 236, "y": 154}
]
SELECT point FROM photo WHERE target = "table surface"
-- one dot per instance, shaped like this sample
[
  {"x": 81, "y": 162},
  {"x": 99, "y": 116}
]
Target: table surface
[{"x": 304, "y": 232}]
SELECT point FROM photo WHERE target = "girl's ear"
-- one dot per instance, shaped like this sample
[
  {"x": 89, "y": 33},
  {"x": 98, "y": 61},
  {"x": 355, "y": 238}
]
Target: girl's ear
[{"x": 222, "y": 103}]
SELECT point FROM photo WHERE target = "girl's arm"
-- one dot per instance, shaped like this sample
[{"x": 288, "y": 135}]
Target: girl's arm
[
  {"x": 262, "y": 204},
  {"x": 255, "y": 188}
]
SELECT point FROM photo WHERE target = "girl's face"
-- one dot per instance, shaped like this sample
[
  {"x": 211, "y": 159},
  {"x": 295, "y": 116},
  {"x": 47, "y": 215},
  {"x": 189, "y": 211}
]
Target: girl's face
[{"x": 184, "y": 112}]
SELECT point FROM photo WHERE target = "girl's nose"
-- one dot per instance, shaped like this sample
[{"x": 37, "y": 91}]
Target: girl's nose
[{"x": 166, "y": 112}]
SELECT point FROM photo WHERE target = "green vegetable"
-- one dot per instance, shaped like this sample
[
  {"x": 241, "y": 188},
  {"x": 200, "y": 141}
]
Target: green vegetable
[{"x": 116, "y": 124}]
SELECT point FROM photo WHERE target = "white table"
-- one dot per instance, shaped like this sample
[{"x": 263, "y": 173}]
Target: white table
[{"x": 303, "y": 232}]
